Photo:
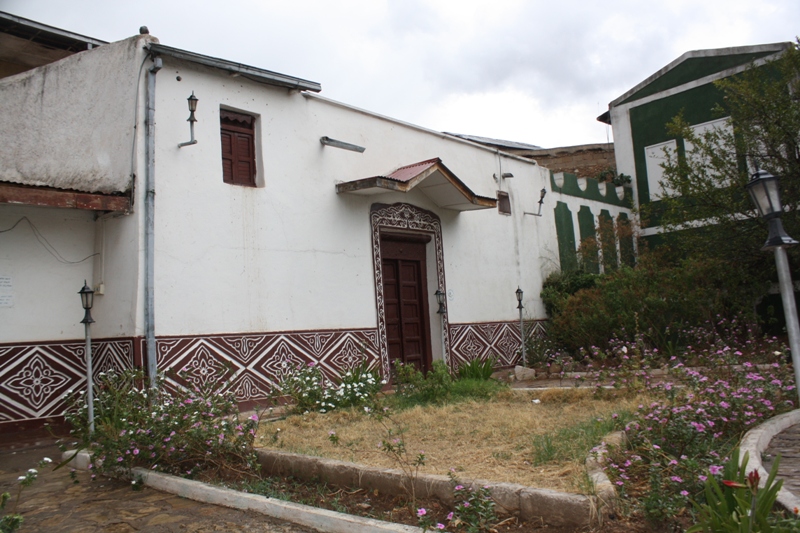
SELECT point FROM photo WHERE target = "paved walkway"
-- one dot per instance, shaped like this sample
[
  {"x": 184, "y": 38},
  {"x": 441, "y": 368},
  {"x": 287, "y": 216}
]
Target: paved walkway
[
  {"x": 54, "y": 503},
  {"x": 787, "y": 445}
]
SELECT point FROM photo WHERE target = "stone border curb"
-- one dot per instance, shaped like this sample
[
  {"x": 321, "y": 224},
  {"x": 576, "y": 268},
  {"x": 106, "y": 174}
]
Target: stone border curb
[
  {"x": 756, "y": 441},
  {"x": 304, "y": 515},
  {"x": 604, "y": 489},
  {"x": 531, "y": 504}
]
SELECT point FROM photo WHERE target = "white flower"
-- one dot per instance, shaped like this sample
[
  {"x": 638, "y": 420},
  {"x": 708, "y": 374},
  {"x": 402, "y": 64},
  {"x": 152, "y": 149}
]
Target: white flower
[
  {"x": 47, "y": 460},
  {"x": 537, "y": 401},
  {"x": 21, "y": 478},
  {"x": 33, "y": 471}
]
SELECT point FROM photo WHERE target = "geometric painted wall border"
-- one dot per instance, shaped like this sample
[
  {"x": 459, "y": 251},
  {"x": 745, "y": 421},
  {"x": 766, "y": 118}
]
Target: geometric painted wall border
[
  {"x": 35, "y": 377},
  {"x": 486, "y": 339}
]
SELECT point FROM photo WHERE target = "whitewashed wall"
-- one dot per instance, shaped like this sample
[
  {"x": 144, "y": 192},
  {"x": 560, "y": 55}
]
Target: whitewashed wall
[
  {"x": 70, "y": 124},
  {"x": 293, "y": 254}
]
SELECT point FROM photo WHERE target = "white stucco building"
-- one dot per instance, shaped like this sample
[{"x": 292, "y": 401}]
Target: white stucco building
[{"x": 272, "y": 241}]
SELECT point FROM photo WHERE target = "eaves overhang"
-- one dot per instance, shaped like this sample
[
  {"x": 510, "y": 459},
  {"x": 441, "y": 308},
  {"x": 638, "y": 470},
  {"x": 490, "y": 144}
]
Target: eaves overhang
[
  {"x": 431, "y": 177},
  {"x": 48, "y": 197},
  {"x": 256, "y": 74}
]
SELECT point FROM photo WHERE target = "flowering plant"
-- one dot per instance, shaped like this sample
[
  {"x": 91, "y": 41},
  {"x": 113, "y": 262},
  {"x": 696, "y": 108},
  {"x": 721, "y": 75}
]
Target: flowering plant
[{"x": 183, "y": 432}]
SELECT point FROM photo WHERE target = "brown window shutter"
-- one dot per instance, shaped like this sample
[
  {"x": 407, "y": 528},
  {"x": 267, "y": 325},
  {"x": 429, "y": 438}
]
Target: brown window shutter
[{"x": 238, "y": 148}]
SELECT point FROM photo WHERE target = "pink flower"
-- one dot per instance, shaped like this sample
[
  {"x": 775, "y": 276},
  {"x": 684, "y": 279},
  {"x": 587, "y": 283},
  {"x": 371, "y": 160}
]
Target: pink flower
[
  {"x": 421, "y": 512},
  {"x": 136, "y": 451},
  {"x": 450, "y": 516},
  {"x": 715, "y": 470},
  {"x": 439, "y": 526}
]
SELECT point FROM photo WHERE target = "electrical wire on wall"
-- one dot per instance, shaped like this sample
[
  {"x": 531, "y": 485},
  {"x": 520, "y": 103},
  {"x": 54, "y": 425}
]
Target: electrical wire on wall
[{"x": 46, "y": 244}]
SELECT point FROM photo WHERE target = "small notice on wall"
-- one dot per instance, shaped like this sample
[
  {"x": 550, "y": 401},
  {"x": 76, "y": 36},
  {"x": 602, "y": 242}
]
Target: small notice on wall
[{"x": 6, "y": 291}]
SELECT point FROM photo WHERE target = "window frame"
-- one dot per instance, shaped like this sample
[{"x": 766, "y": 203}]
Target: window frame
[
  {"x": 241, "y": 127},
  {"x": 504, "y": 200}
]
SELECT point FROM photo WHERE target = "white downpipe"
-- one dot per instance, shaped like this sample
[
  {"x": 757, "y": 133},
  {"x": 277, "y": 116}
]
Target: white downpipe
[{"x": 149, "y": 209}]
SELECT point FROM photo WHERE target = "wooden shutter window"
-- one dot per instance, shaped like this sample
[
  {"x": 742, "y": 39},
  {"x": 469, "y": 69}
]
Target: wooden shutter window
[{"x": 237, "y": 132}]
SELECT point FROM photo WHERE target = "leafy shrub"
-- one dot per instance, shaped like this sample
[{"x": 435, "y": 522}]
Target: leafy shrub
[
  {"x": 559, "y": 286},
  {"x": 309, "y": 390},
  {"x": 475, "y": 389},
  {"x": 740, "y": 504},
  {"x": 414, "y": 388},
  {"x": 652, "y": 299},
  {"x": 358, "y": 387},
  {"x": 477, "y": 369},
  {"x": 680, "y": 439},
  {"x": 184, "y": 432}
]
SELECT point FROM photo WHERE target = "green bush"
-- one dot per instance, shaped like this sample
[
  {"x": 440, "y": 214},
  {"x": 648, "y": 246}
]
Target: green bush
[
  {"x": 559, "y": 286},
  {"x": 652, "y": 299},
  {"x": 477, "y": 369},
  {"x": 415, "y": 388}
]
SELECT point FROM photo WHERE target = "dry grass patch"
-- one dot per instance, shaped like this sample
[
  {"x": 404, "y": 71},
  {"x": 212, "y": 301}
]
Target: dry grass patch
[{"x": 496, "y": 440}]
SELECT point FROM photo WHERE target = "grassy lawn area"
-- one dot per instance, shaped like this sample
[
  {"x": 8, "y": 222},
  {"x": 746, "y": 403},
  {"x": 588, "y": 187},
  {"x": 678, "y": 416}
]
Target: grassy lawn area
[{"x": 510, "y": 438}]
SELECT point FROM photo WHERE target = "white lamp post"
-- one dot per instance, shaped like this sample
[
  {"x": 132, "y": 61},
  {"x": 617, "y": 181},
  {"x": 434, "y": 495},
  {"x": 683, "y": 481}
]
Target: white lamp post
[
  {"x": 522, "y": 324},
  {"x": 87, "y": 300},
  {"x": 764, "y": 190},
  {"x": 440, "y": 299}
]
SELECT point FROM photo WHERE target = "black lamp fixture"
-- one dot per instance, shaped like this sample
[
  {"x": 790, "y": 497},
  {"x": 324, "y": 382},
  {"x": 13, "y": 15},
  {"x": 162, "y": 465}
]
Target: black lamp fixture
[
  {"x": 87, "y": 301},
  {"x": 541, "y": 201},
  {"x": 191, "y": 120},
  {"x": 765, "y": 191},
  {"x": 519, "y": 298},
  {"x": 440, "y": 300},
  {"x": 192, "y": 107}
]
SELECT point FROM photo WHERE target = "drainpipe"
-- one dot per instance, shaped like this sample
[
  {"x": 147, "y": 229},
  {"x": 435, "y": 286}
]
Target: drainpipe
[{"x": 149, "y": 210}]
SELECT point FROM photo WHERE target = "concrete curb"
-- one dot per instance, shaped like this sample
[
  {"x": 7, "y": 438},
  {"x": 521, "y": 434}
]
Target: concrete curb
[
  {"x": 756, "y": 441},
  {"x": 604, "y": 489},
  {"x": 304, "y": 515},
  {"x": 538, "y": 505}
]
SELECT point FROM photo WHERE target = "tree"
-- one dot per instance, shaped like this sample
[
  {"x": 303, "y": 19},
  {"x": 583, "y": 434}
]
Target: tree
[{"x": 709, "y": 212}]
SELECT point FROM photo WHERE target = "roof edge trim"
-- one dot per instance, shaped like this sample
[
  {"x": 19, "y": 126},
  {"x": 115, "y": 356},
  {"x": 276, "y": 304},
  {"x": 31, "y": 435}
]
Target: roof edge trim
[
  {"x": 735, "y": 50},
  {"x": 257, "y": 74}
]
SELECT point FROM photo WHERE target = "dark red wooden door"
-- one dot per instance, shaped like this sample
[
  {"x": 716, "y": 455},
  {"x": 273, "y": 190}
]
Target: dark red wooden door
[{"x": 406, "y": 303}]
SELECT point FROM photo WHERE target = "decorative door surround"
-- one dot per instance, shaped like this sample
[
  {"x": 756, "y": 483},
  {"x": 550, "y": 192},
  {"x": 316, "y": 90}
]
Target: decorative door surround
[{"x": 404, "y": 218}]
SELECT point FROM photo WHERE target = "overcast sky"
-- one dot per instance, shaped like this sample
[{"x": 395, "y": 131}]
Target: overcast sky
[{"x": 531, "y": 71}]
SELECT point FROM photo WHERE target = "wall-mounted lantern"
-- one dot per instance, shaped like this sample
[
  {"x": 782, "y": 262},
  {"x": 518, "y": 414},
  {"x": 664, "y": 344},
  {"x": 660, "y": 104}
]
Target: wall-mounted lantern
[
  {"x": 541, "y": 201},
  {"x": 440, "y": 300},
  {"x": 191, "y": 120}
]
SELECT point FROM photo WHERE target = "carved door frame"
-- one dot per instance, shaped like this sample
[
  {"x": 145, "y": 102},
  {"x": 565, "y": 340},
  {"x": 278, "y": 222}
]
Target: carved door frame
[{"x": 405, "y": 218}]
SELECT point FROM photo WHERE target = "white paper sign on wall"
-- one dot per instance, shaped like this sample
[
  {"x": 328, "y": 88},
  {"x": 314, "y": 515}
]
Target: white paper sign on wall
[{"x": 6, "y": 291}]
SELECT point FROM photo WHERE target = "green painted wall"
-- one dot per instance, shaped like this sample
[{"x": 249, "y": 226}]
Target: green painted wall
[
  {"x": 648, "y": 125},
  {"x": 565, "y": 231},
  {"x": 588, "y": 232},
  {"x": 608, "y": 241},
  {"x": 694, "y": 69},
  {"x": 570, "y": 187},
  {"x": 625, "y": 235}
]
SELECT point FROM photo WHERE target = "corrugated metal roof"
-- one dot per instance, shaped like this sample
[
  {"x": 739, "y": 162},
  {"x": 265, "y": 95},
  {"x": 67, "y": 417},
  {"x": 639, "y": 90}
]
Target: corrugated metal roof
[
  {"x": 253, "y": 73},
  {"x": 407, "y": 173},
  {"x": 496, "y": 142},
  {"x": 431, "y": 177}
]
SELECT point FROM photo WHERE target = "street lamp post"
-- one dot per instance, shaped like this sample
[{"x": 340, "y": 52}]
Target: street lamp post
[
  {"x": 440, "y": 299},
  {"x": 764, "y": 190},
  {"x": 521, "y": 323},
  {"x": 87, "y": 300}
]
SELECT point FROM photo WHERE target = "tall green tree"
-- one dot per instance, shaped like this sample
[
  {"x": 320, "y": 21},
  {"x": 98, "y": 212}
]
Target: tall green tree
[{"x": 708, "y": 213}]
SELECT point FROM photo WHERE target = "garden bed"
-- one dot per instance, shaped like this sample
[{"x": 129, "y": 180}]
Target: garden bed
[{"x": 537, "y": 439}]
